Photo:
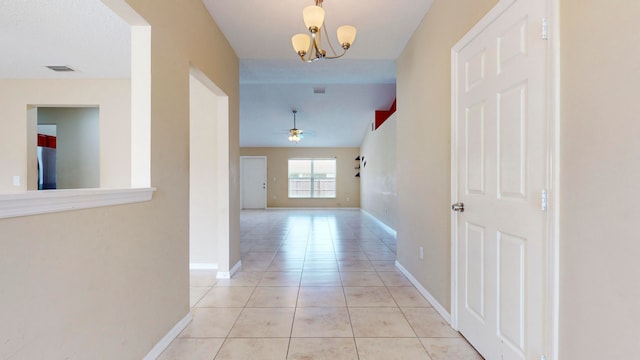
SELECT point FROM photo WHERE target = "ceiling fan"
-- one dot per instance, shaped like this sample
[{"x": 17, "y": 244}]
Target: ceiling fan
[{"x": 295, "y": 134}]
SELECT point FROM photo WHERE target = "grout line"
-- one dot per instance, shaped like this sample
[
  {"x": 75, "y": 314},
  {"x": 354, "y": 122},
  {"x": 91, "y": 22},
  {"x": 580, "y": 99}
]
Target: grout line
[{"x": 358, "y": 236}]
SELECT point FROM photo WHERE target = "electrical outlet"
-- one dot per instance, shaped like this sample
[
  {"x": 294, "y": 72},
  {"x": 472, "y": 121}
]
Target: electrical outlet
[
  {"x": 16, "y": 180},
  {"x": 348, "y": 199},
  {"x": 421, "y": 252}
]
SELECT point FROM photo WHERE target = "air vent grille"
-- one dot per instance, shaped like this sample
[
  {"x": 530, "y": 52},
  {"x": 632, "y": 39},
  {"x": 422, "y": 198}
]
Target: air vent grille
[
  {"x": 319, "y": 90},
  {"x": 61, "y": 68}
]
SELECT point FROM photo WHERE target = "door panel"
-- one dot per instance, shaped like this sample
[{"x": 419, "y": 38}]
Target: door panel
[
  {"x": 475, "y": 276},
  {"x": 511, "y": 286},
  {"x": 500, "y": 170},
  {"x": 512, "y": 125},
  {"x": 475, "y": 149}
]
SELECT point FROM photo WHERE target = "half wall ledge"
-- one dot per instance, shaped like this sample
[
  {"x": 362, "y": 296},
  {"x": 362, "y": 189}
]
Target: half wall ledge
[{"x": 49, "y": 201}]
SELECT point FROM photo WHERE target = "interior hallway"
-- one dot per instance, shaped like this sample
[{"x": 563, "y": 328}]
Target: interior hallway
[{"x": 314, "y": 284}]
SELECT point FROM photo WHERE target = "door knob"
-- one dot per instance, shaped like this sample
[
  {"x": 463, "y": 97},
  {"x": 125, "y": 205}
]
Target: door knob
[{"x": 459, "y": 206}]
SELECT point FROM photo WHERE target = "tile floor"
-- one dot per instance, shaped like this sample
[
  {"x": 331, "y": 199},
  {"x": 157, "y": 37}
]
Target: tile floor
[{"x": 314, "y": 284}]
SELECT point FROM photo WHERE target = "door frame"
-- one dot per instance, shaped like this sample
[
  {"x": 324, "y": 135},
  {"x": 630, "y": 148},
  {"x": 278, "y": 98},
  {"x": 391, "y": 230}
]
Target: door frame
[
  {"x": 266, "y": 180},
  {"x": 552, "y": 245}
]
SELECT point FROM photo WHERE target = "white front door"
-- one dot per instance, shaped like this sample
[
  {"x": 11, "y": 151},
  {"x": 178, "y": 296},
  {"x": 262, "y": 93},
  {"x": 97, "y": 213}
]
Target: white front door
[
  {"x": 499, "y": 172},
  {"x": 254, "y": 182}
]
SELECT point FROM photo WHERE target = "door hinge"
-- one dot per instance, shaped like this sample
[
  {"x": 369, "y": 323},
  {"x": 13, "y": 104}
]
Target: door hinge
[
  {"x": 543, "y": 200},
  {"x": 544, "y": 34}
]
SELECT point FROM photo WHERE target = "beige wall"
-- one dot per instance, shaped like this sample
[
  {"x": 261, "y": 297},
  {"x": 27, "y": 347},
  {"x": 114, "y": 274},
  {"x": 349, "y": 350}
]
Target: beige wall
[
  {"x": 600, "y": 179},
  {"x": 17, "y": 150},
  {"x": 378, "y": 179},
  {"x": 423, "y": 168},
  {"x": 110, "y": 282},
  {"x": 347, "y": 186},
  {"x": 78, "y": 145}
]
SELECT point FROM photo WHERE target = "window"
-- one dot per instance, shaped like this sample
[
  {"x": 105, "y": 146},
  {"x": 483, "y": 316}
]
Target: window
[{"x": 312, "y": 178}]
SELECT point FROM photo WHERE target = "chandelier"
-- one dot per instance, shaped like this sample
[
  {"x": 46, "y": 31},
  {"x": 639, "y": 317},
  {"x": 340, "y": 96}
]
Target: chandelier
[
  {"x": 309, "y": 48},
  {"x": 295, "y": 135}
]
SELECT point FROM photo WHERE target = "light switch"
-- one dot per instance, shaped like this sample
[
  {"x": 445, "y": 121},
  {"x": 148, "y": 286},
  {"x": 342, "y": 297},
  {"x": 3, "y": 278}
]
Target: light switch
[{"x": 16, "y": 180}]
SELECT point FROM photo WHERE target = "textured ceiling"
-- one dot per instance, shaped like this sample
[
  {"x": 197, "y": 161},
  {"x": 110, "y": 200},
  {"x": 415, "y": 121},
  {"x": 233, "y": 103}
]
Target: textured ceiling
[
  {"x": 87, "y": 36},
  {"x": 273, "y": 80},
  {"x": 262, "y": 30},
  {"x": 82, "y": 34},
  {"x": 337, "y": 118}
]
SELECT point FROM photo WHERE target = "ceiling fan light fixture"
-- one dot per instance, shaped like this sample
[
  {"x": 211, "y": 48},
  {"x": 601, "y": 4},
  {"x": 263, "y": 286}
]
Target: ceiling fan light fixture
[
  {"x": 313, "y": 17},
  {"x": 295, "y": 134}
]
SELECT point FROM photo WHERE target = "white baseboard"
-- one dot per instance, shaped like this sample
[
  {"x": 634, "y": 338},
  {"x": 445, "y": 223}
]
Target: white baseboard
[
  {"x": 203, "y": 266},
  {"x": 383, "y": 225},
  {"x": 168, "y": 338},
  {"x": 228, "y": 275},
  {"x": 436, "y": 305},
  {"x": 313, "y": 208}
]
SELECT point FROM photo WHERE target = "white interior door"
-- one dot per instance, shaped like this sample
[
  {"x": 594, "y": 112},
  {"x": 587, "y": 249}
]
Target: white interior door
[
  {"x": 254, "y": 182},
  {"x": 499, "y": 172}
]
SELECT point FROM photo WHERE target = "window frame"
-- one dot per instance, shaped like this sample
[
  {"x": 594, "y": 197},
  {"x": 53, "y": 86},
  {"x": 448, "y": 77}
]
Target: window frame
[{"x": 312, "y": 179}]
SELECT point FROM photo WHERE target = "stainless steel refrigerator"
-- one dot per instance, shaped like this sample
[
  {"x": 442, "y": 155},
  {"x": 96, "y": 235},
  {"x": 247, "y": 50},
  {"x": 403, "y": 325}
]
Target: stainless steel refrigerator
[{"x": 46, "y": 168}]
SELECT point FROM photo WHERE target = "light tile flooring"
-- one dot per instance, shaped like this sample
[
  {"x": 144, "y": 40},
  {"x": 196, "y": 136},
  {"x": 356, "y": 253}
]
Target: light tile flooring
[{"x": 314, "y": 284}]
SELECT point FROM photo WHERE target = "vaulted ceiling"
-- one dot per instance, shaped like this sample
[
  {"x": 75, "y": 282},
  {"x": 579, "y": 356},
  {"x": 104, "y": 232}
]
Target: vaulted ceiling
[{"x": 87, "y": 36}]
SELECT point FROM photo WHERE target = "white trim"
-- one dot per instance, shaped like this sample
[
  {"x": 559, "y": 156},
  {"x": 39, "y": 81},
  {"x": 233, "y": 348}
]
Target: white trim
[
  {"x": 227, "y": 275},
  {"x": 427, "y": 295},
  {"x": 49, "y": 201},
  {"x": 168, "y": 338},
  {"x": 486, "y": 20},
  {"x": 309, "y": 208},
  {"x": 553, "y": 218},
  {"x": 388, "y": 228},
  {"x": 203, "y": 266},
  {"x": 454, "y": 188}
]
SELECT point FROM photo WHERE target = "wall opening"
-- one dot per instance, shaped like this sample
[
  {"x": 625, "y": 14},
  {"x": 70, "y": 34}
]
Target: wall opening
[
  {"x": 208, "y": 175},
  {"x": 68, "y": 148}
]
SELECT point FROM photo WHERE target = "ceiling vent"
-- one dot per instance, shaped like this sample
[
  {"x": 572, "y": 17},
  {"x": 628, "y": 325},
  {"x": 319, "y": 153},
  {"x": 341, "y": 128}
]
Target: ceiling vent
[
  {"x": 61, "y": 68},
  {"x": 319, "y": 90}
]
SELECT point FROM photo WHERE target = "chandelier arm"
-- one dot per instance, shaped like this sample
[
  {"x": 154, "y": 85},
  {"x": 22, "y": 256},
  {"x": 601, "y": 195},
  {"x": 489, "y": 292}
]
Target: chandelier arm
[
  {"x": 326, "y": 35},
  {"x": 311, "y": 48},
  {"x": 317, "y": 40},
  {"x": 335, "y": 57},
  {"x": 309, "y": 61}
]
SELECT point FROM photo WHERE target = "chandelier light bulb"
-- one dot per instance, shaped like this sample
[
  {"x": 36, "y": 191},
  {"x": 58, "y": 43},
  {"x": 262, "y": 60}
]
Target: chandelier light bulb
[
  {"x": 346, "y": 36},
  {"x": 301, "y": 43},
  {"x": 313, "y": 17}
]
